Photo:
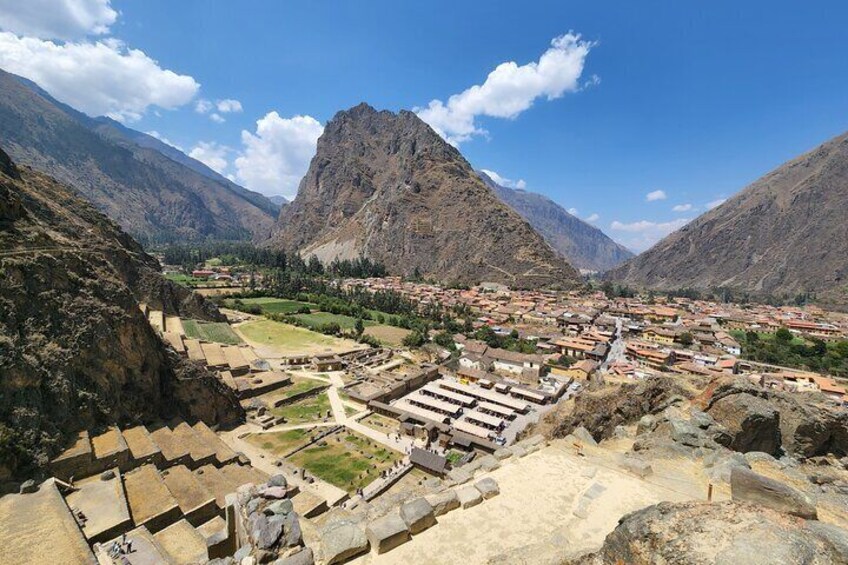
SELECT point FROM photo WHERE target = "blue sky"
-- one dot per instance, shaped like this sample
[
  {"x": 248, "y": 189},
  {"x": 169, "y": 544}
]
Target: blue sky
[{"x": 686, "y": 101}]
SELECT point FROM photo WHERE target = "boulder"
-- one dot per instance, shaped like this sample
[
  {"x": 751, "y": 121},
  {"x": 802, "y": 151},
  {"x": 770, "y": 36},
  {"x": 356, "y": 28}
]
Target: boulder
[
  {"x": 29, "y": 486},
  {"x": 518, "y": 450},
  {"x": 291, "y": 530},
  {"x": 701, "y": 419},
  {"x": 583, "y": 435},
  {"x": 387, "y": 533},
  {"x": 502, "y": 453},
  {"x": 265, "y": 531},
  {"x": 281, "y": 507},
  {"x": 685, "y": 433},
  {"x": 459, "y": 475},
  {"x": 636, "y": 466},
  {"x": 647, "y": 423},
  {"x": 418, "y": 515},
  {"x": 469, "y": 496},
  {"x": 342, "y": 540},
  {"x": 723, "y": 532},
  {"x": 721, "y": 463},
  {"x": 489, "y": 463},
  {"x": 488, "y": 487},
  {"x": 278, "y": 480},
  {"x": 443, "y": 502},
  {"x": 276, "y": 493},
  {"x": 302, "y": 557},
  {"x": 752, "y": 422},
  {"x": 748, "y": 486}
]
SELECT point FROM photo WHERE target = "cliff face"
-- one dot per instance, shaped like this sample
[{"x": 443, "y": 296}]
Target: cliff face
[
  {"x": 387, "y": 187},
  {"x": 75, "y": 349},
  {"x": 786, "y": 233},
  {"x": 126, "y": 174},
  {"x": 584, "y": 245}
]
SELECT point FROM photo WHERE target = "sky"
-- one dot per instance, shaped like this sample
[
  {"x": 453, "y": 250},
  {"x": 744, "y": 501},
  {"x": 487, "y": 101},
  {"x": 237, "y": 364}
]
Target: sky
[{"x": 635, "y": 116}]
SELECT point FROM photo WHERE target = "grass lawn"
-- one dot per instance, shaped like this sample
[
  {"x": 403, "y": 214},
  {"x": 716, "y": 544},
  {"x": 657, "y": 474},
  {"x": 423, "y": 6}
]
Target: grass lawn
[
  {"x": 274, "y": 305},
  {"x": 390, "y": 335},
  {"x": 219, "y": 332},
  {"x": 185, "y": 280},
  {"x": 287, "y": 339},
  {"x": 316, "y": 319},
  {"x": 299, "y": 385},
  {"x": 344, "y": 460},
  {"x": 280, "y": 443},
  {"x": 309, "y": 409}
]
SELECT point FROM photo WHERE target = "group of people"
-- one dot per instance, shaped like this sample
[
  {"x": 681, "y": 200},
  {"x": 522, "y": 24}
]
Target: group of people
[{"x": 121, "y": 547}]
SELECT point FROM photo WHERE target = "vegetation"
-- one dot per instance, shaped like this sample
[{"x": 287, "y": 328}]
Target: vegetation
[
  {"x": 307, "y": 409},
  {"x": 269, "y": 305},
  {"x": 511, "y": 342},
  {"x": 286, "y": 338},
  {"x": 785, "y": 349},
  {"x": 218, "y": 332},
  {"x": 280, "y": 443}
]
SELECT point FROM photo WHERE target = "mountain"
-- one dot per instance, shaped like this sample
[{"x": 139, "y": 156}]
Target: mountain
[
  {"x": 75, "y": 349},
  {"x": 387, "y": 187},
  {"x": 784, "y": 234},
  {"x": 147, "y": 188},
  {"x": 585, "y": 246},
  {"x": 279, "y": 200}
]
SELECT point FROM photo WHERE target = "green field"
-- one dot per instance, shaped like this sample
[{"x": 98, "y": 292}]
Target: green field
[
  {"x": 309, "y": 409},
  {"x": 318, "y": 319},
  {"x": 280, "y": 443},
  {"x": 288, "y": 339},
  {"x": 299, "y": 385},
  {"x": 344, "y": 461},
  {"x": 185, "y": 280},
  {"x": 273, "y": 305},
  {"x": 219, "y": 332}
]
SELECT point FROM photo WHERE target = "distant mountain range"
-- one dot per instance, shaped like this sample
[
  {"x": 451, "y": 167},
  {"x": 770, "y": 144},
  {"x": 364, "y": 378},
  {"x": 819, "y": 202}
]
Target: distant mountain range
[
  {"x": 388, "y": 187},
  {"x": 584, "y": 245},
  {"x": 151, "y": 189},
  {"x": 786, "y": 233},
  {"x": 279, "y": 200}
]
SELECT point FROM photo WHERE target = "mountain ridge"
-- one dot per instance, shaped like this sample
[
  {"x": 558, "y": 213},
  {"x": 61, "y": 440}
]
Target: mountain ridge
[{"x": 388, "y": 187}]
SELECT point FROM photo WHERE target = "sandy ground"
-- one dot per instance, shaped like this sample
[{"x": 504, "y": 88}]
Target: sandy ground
[{"x": 538, "y": 495}]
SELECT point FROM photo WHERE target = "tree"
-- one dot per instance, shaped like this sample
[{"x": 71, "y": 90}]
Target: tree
[
  {"x": 359, "y": 327},
  {"x": 752, "y": 337},
  {"x": 415, "y": 339},
  {"x": 445, "y": 340},
  {"x": 686, "y": 339},
  {"x": 783, "y": 335}
]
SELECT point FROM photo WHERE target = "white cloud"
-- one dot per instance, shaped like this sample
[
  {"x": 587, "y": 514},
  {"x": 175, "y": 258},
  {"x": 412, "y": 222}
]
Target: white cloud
[
  {"x": 642, "y": 234},
  {"x": 276, "y": 157},
  {"x": 211, "y": 154},
  {"x": 217, "y": 118},
  {"x": 656, "y": 195},
  {"x": 573, "y": 211},
  {"x": 163, "y": 139},
  {"x": 510, "y": 89},
  {"x": 682, "y": 208},
  {"x": 102, "y": 78},
  {"x": 228, "y": 105},
  {"x": 503, "y": 181},
  {"x": 593, "y": 218},
  {"x": 57, "y": 19},
  {"x": 203, "y": 105},
  {"x": 715, "y": 203}
]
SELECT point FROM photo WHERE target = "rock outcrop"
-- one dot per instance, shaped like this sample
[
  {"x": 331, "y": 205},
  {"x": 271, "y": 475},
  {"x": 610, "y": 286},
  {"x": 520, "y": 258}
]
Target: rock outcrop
[
  {"x": 700, "y": 533},
  {"x": 784, "y": 234},
  {"x": 75, "y": 350},
  {"x": 387, "y": 187}
]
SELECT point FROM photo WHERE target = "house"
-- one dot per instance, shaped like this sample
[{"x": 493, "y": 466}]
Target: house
[
  {"x": 514, "y": 362},
  {"x": 428, "y": 462},
  {"x": 580, "y": 371},
  {"x": 662, "y": 336}
]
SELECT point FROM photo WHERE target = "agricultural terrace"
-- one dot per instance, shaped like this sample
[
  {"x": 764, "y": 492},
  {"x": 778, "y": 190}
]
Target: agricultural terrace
[
  {"x": 277, "y": 339},
  {"x": 272, "y": 305},
  {"x": 218, "y": 332},
  {"x": 346, "y": 460}
]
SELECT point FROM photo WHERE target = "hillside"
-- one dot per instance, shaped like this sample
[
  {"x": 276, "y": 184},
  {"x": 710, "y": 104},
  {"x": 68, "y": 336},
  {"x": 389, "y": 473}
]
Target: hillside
[
  {"x": 75, "y": 349},
  {"x": 585, "y": 246},
  {"x": 784, "y": 234},
  {"x": 387, "y": 187},
  {"x": 133, "y": 180}
]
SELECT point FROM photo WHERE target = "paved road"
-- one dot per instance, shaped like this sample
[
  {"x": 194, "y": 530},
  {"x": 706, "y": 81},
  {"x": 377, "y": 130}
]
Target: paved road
[{"x": 617, "y": 348}]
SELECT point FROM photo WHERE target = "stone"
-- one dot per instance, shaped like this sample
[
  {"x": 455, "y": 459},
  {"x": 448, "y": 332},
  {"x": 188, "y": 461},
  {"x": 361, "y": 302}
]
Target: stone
[
  {"x": 107, "y": 475},
  {"x": 503, "y": 453},
  {"x": 281, "y": 507},
  {"x": 837, "y": 536},
  {"x": 759, "y": 457},
  {"x": 647, "y": 423},
  {"x": 278, "y": 480},
  {"x": 28, "y": 486},
  {"x": 594, "y": 491},
  {"x": 276, "y": 493},
  {"x": 291, "y": 530},
  {"x": 253, "y": 505},
  {"x": 266, "y": 531},
  {"x": 249, "y": 560},
  {"x": 589, "y": 472},
  {"x": 489, "y": 463},
  {"x": 620, "y": 432},
  {"x": 685, "y": 433},
  {"x": 243, "y": 552},
  {"x": 302, "y": 557},
  {"x": 636, "y": 466},
  {"x": 443, "y": 502},
  {"x": 748, "y": 486},
  {"x": 752, "y": 422},
  {"x": 583, "y": 435},
  {"x": 459, "y": 475},
  {"x": 341, "y": 540},
  {"x": 488, "y": 487},
  {"x": 721, "y": 463},
  {"x": 518, "y": 450},
  {"x": 701, "y": 419},
  {"x": 387, "y": 533},
  {"x": 469, "y": 496},
  {"x": 418, "y": 515}
]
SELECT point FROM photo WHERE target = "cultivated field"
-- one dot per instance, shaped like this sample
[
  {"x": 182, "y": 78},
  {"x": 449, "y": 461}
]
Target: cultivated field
[
  {"x": 276, "y": 339},
  {"x": 344, "y": 461},
  {"x": 390, "y": 335},
  {"x": 273, "y": 305},
  {"x": 219, "y": 332},
  {"x": 317, "y": 319}
]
